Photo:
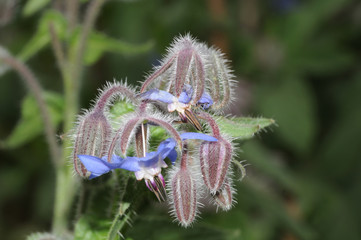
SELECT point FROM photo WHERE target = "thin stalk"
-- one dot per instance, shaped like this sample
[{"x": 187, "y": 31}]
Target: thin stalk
[
  {"x": 88, "y": 24},
  {"x": 184, "y": 159},
  {"x": 57, "y": 47},
  {"x": 72, "y": 11},
  {"x": 122, "y": 217},
  {"x": 211, "y": 122},
  {"x": 37, "y": 91},
  {"x": 66, "y": 184}
]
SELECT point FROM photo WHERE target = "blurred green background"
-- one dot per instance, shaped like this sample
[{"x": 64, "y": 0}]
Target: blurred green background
[{"x": 296, "y": 61}]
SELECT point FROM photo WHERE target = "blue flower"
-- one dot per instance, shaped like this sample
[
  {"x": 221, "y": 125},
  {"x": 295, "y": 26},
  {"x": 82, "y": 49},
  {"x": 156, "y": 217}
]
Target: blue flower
[
  {"x": 146, "y": 167},
  {"x": 181, "y": 104}
]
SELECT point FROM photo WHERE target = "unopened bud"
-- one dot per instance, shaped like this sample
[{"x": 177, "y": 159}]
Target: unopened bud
[
  {"x": 184, "y": 197},
  {"x": 223, "y": 198},
  {"x": 215, "y": 158},
  {"x": 222, "y": 80},
  {"x": 91, "y": 138}
]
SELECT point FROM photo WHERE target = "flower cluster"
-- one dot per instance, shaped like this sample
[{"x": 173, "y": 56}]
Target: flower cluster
[{"x": 193, "y": 80}]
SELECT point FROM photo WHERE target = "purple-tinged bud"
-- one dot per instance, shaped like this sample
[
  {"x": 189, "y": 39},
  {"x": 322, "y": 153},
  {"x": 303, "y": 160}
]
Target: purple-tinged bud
[
  {"x": 184, "y": 64},
  {"x": 184, "y": 193},
  {"x": 91, "y": 138},
  {"x": 215, "y": 158},
  {"x": 222, "y": 80},
  {"x": 223, "y": 198}
]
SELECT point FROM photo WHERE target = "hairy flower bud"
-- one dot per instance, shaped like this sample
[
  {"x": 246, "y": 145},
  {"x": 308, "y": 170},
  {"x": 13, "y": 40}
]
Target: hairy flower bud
[
  {"x": 91, "y": 138},
  {"x": 183, "y": 190},
  {"x": 215, "y": 158},
  {"x": 223, "y": 198},
  {"x": 221, "y": 86},
  {"x": 184, "y": 64},
  {"x": 184, "y": 197}
]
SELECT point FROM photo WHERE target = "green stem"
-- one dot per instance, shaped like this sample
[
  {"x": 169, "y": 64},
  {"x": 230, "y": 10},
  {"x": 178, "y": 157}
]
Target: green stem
[
  {"x": 66, "y": 184},
  {"x": 122, "y": 217},
  {"x": 66, "y": 187}
]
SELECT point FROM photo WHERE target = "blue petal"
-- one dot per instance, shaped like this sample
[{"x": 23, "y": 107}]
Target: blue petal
[
  {"x": 185, "y": 96},
  {"x": 200, "y": 136},
  {"x": 130, "y": 164},
  {"x": 206, "y": 101},
  {"x": 158, "y": 95},
  {"x": 173, "y": 156},
  {"x": 115, "y": 159},
  {"x": 95, "y": 165},
  {"x": 152, "y": 158}
]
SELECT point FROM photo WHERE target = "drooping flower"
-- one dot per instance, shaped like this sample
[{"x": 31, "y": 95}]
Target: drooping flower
[
  {"x": 147, "y": 168},
  {"x": 182, "y": 104}
]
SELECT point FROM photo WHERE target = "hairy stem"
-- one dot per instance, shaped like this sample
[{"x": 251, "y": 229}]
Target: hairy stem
[
  {"x": 72, "y": 10},
  {"x": 156, "y": 74},
  {"x": 57, "y": 47},
  {"x": 66, "y": 185},
  {"x": 37, "y": 91},
  {"x": 184, "y": 159},
  {"x": 211, "y": 122},
  {"x": 88, "y": 24},
  {"x": 108, "y": 94}
]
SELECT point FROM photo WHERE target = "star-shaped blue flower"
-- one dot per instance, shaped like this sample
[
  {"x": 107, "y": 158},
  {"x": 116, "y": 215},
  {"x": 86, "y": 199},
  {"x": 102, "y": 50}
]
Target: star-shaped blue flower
[
  {"x": 144, "y": 167},
  {"x": 180, "y": 103}
]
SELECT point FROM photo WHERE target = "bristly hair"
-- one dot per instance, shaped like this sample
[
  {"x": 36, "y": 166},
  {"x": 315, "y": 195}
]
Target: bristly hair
[
  {"x": 112, "y": 91},
  {"x": 199, "y": 192},
  {"x": 221, "y": 80},
  {"x": 232, "y": 192}
]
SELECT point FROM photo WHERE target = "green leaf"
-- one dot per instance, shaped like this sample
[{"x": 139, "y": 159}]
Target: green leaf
[
  {"x": 243, "y": 128},
  {"x": 32, "y": 6},
  {"x": 41, "y": 38},
  {"x": 99, "y": 43},
  {"x": 91, "y": 228},
  {"x": 31, "y": 124}
]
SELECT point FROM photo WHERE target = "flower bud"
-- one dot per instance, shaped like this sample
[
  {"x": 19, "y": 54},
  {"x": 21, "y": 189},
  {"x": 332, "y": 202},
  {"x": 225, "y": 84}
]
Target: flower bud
[
  {"x": 223, "y": 197},
  {"x": 184, "y": 197},
  {"x": 215, "y": 158},
  {"x": 184, "y": 63},
  {"x": 222, "y": 82},
  {"x": 91, "y": 138}
]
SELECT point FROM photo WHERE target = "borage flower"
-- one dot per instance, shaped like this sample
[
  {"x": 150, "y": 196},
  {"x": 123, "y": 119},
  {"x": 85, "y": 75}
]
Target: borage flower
[
  {"x": 181, "y": 104},
  {"x": 147, "y": 168}
]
